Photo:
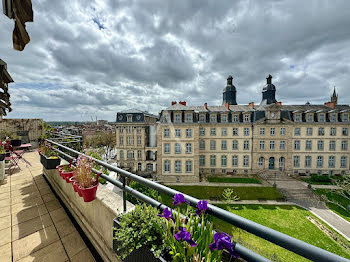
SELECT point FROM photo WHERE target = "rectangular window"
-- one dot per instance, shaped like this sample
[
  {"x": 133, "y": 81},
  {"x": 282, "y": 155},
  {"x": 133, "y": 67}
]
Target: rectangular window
[
  {"x": 344, "y": 145},
  {"x": 177, "y": 148},
  {"x": 321, "y": 131},
  {"x": 129, "y": 118},
  {"x": 129, "y": 140},
  {"x": 333, "y": 131},
  {"x": 308, "y": 145},
  {"x": 282, "y": 145},
  {"x": 166, "y": 166},
  {"x": 139, "y": 129},
  {"x": 272, "y": 131},
  {"x": 223, "y": 160},
  {"x": 309, "y": 131},
  {"x": 331, "y": 161},
  {"x": 139, "y": 154},
  {"x": 129, "y": 129},
  {"x": 202, "y": 131},
  {"x": 188, "y": 132},
  {"x": 177, "y": 118},
  {"x": 262, "y": 131},
  {"x": 332, "y": 145},
  {"x": 235, "y": 145},
  {"x": 235, "y": 161},
  {"x": 321, "y": 118},
  {"x": 246, "y": 145},
  {"x": 296, "y": 145},
  {"x": 224, "y": 118},
  {"x": 333, "y": 117},
  {"x": 310, "y": 117},
  {"x": 235, "y": 131},
  {"x": 272, "y": 145},
  {"x": 246, "y": 161},
  {"x": 166, "y": 148},
  {"x": 212, "y": 145},
  {"x": 212, "y": 160},
  {"x": 166, "y": 132},
  {"x": 235, "y": 118},
  {"x": 177, "y": 166},
  {"x": 213, "y": 131},
  {"x": 202, "y": 144},
  {"x": 246, "y": 131},
  {"x": 188, "y": 148},
  {"x": 297, "y": 118},
  {"x": 307, "y": 161},
  {"x": 297, "y": 131},
  {"x": 320, "y": 145},
  {"x": 188, "y": 166},
  {"x": 262, "y": 145},
  {"x": 166, "y": 118},
  {"x": 296, "y": 161},
  {"x": 212, "y": 118},
  {"x": 188, "y": 117},
  {"x": 121, "y": 140},
  {"x": 202, "y": 160},
  {"x": 345, "y": 131},
  {"x": 224, "y": 131},
  {"x": 320, "y": 161},
  {"x": 246, "y": 118},
  {"x": 343, "y": 161},
  {"x": 121, "y": 130},
  {"x": 202, "y": 118},
  {"x": 121, "y": 154},
  {"x": 223, "y": 145},
  {"x": 283, "y": 131},
  {"x": 177, "y": 132},
  {"x": 139, "y": 140},
  {"x": 345, "y": 118}
]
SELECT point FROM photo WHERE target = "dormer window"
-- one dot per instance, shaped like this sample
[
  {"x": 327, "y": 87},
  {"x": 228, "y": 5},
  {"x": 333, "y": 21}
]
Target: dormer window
[
  {"x": 224, "y": 118},
  {"x": 235, "y": 118},
  {"x": 166, "y": 118},
  {"x": 213, "y": 118},
  {"x": 297, "y": 118},
  {"x": 333, "y": 117},
  {"x": 129, "y": 118},
  {"x": 188, "y": 117},
  {"x": 310, "y": 117},
  {"x": 202, "y": 118},
  {"x": 177, "y": 118},
  {"x": 345, "y": 118},
  {"x": 321, "y": 118},
  {"x": 246, "y": 118}
]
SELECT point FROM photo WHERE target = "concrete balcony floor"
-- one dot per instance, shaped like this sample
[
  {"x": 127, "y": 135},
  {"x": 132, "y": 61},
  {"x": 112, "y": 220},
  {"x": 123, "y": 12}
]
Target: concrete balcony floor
[{"x": 33, "y": 224}]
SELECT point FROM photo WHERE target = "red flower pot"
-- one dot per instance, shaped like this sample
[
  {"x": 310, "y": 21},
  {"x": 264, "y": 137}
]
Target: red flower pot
[
  {"x": 73, "y": 182},
  {"x": 78, "y": 189},
  {"x": 89, "y": 194},
  {"x": 67, "y": 175}
]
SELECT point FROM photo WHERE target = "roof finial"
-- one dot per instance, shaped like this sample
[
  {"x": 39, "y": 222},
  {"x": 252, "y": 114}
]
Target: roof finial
[
  {"x": 269, "y": 79},
  {"x": 229, "y": 80}
]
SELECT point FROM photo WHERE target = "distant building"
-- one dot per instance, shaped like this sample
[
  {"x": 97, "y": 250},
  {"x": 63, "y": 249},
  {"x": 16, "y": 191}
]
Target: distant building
[
  {"x": 199, "y": 141},
  {"x": 101, "y": 122},
  {"x": 136, "y": 141}
]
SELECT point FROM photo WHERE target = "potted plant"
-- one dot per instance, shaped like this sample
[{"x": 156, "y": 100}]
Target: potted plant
[
  {"x": 86, "y": 180},
  {"x": 147, "y": 244},
  {"x": 16, "y": 140},
  {"x": 2, "y": 153},
  {"x": 66, "y": 171},
  {"x": 48, "y": 157}
]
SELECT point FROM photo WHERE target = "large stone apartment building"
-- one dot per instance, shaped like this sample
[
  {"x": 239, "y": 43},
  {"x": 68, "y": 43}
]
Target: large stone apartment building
[{"x": 198, "y": 141}]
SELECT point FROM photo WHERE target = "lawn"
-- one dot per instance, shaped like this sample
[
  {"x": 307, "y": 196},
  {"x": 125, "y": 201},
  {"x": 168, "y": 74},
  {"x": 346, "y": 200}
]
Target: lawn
[
  {"x": 234, "y": 180},
  {"x": 335, "y": 197},
  {"x": 290, "y": 220},
  {"x": 244, "y": 193}
]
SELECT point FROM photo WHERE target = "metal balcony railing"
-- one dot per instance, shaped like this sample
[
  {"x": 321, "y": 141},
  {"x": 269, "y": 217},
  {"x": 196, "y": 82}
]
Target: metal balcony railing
[{"x": 292, "y": 244}]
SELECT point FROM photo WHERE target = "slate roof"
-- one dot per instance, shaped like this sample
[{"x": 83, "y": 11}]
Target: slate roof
[{"x": 137, "y": 111}]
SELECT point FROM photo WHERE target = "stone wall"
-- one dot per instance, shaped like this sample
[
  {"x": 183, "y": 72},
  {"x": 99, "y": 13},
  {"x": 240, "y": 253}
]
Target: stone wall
[{"x": 33, "y": 126}]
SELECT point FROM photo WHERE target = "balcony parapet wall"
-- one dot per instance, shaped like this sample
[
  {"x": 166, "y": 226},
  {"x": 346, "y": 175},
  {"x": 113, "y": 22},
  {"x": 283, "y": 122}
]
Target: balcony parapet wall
[{"x": 95, "y": 218}]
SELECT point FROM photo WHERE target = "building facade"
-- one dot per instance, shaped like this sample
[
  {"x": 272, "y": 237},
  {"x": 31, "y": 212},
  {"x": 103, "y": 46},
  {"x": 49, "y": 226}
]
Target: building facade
[
  {"x": 136, "y": 142},
  {"x": 194, "y": 142}
]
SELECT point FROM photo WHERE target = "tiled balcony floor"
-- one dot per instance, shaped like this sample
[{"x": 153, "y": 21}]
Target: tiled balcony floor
[{"x": 33, "y": 224}]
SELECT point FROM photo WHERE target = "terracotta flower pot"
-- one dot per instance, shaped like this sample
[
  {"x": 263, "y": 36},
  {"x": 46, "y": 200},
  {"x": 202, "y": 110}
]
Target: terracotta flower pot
[{"x": 89, "y": 194}]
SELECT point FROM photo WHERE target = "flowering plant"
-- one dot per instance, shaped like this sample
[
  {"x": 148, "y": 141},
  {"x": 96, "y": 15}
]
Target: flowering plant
[
  {"x": 46, "y": 150},
  {"x": 193, "y": 238},
  {"x": 83, "y": 172}
]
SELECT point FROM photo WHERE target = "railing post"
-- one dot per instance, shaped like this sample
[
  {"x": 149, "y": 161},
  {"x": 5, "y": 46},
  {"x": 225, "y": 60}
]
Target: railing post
[{"x": 124, "y": 194}]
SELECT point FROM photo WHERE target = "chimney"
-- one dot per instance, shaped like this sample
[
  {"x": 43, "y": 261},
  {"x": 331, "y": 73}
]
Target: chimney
[
  {"x": 227, "y": 105},
  {"x": 279, "y": 103},
  {"x": 206, "y": 106},
  {"x": 330, "y": 104},
  {"x": 173, "y": 103},
  {"x": 251, "y": 104},
  {"x": 182, "y": 103}
]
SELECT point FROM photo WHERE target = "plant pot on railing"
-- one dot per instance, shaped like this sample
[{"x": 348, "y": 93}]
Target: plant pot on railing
[
  {"x": 49, "y": 162},
  {"x": 89, "y": 193}
]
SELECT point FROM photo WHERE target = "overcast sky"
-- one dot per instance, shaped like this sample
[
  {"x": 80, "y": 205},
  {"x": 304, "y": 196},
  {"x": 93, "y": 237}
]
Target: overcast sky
[{"x": 93, "y": 58}]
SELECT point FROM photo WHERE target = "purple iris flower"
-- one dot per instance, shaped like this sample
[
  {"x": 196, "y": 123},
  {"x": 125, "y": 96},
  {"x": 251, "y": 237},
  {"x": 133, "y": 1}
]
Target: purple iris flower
[
  {"x": 167, "y": 213},
  {"x": 179, "y": 199},
  {"x": 223, "y": 241},
  {"x": 202, "y": 206},
  {"x": 184, "y": 235}
]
